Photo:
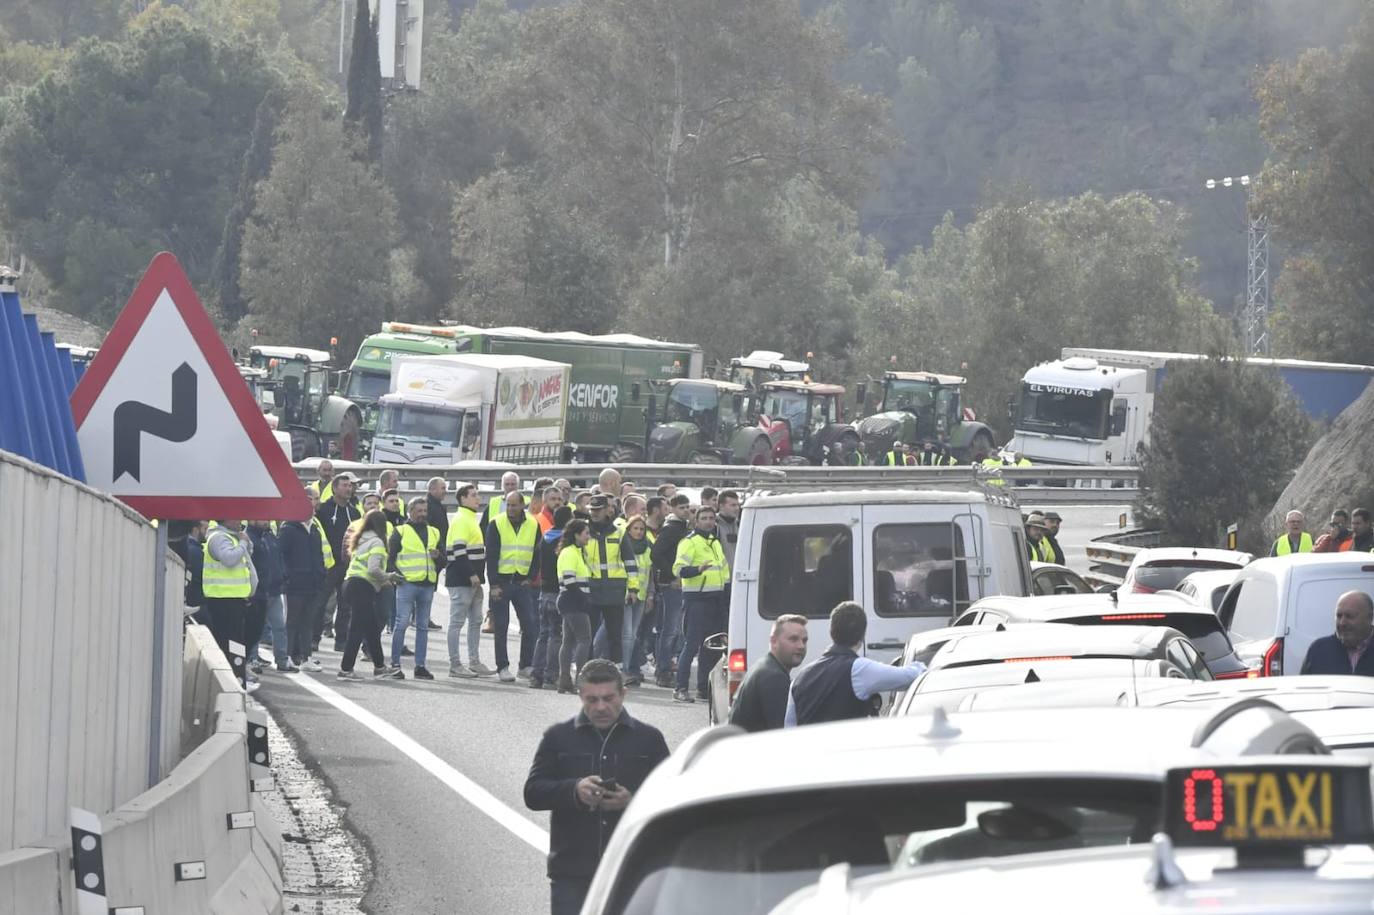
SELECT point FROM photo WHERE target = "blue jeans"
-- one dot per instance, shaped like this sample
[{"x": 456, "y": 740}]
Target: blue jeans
[
  {"x": 464, "y": 608},
  {"x": 634, "y": 614},
  {"x": 413, "y": 599},
  {"x": 669, "y": 630},
  {"x": 276, "y": 621},
  {"x": 524, "y": 598},
  {"x": 704, "y": 615},
  {"x": 550, "y": 641}
]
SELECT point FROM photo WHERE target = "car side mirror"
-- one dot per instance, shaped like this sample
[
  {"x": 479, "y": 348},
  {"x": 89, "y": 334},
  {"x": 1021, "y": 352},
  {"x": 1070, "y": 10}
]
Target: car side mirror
[
  {"x": 1104, "y": 589},
  {"x": 715, "y": 642}
]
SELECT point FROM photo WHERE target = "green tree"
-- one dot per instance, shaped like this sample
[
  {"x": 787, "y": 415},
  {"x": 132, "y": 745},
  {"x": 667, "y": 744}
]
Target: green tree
[
  {"x": 1225, "y": 439},
  {"x": 1318, "y": 190},
  {"x": 364, "y": 110},
  {"x": 316, "y": 251},
  {"x": 127, "y": 148},
  {"x": 1026, "y": 279}
]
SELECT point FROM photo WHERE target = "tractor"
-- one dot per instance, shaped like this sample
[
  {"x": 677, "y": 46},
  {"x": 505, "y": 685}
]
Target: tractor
[
  {"x": 703, "y": 421},
  {"x": 922, "y": 408},
  {"x": 804, "y": 420},
  {"x": 762, "y": 366},
  {"x": 296, "y": 386}
]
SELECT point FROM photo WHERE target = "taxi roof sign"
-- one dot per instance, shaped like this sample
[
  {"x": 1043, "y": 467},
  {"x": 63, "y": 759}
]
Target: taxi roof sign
[{"x": 1275, "y": 802}]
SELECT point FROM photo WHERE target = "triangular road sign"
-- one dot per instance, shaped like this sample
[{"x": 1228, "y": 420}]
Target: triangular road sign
[{"x": 167, "y": 424}]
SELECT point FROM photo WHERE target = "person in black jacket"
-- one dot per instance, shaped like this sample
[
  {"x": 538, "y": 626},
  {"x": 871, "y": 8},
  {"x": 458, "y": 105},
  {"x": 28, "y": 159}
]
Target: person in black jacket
[
  {"x": 335, "y": 517},
  {"x": 1346, "y": 652},
  {"x": 302, "y": 556},
  {"x": 187, "y": 540},
  {"x": 585, "y": 771},
  {"x": 668, "y": 590},
  {"x": 761, "y": 703}
]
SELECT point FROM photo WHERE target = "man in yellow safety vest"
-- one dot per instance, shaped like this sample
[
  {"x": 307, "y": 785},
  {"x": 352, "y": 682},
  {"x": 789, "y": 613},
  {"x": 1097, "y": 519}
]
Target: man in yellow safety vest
[
  {"x": 414, "y": 551},
  {"x": 1294, "y": 539},
  {"x": 229, "y": 580}
]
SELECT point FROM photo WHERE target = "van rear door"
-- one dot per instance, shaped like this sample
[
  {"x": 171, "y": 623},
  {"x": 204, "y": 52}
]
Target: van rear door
[
  {"x": 806, "y": 564},
  {"x": 924, "y": 564}
]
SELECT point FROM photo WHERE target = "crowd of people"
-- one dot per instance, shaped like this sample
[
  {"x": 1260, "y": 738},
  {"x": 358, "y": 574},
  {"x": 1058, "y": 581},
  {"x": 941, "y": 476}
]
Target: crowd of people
[
  {"x": 637, "y": 579},
  {"x": 1345, "y": 531}
]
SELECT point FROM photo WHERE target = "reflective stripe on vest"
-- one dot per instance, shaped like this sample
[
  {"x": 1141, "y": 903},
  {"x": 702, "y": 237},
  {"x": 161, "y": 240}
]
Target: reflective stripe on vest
[
  {"x": 1282, "y": 547},
  {"x": 517, "y": 547},
  {"x": 357, "y": 567},
  {"x": 326, "y": 550},
  {"x": 413, "y": 561},
  {"x": 465, "y": 538},
  {"x": 572, "y": 569},
  {"x": 220, "y": 580}
]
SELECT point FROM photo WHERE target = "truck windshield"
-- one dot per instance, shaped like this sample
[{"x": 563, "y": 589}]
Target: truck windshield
[
  {"x": 364, "y": 385},
  {"x": 405, "y": 420},
  {"x": 1072, "y": 412},
  {"x": 689, "y": 403}
]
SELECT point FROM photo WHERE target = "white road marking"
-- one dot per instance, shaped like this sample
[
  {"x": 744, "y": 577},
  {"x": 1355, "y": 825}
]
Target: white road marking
[{"x": 463, "y": 786}]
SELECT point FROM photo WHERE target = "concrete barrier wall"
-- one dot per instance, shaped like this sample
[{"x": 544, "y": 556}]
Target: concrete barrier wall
[{"x": 77, "y": 654}]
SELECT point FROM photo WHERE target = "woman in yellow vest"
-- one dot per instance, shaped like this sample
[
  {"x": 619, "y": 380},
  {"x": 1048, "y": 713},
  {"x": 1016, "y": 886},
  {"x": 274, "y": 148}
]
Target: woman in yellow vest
[
  {"x": 635, "y": 542},
  {"x": 574, "y": 602},
  {"x": 365, "y": 579}
]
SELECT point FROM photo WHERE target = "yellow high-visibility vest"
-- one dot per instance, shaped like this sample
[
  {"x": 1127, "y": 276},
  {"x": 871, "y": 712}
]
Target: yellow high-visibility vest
[
  {"x": 695, "y": 550},
  {"x": 221, "y": 580},
  {"x": 414, "y": 561},
  {"x": 1282, "y": 547},
  {"x": 517, "y": 547}
]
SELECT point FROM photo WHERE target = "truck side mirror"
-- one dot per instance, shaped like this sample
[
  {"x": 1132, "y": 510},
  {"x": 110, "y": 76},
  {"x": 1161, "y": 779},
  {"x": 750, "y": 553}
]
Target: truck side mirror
[
  {"x": 634, "y": 391},
  {"x": 1119, "y": 420},
  {"x": 861, "y": 393},
  {"x": 738, "y": 403},
  {"x": 652, "y": 411}
]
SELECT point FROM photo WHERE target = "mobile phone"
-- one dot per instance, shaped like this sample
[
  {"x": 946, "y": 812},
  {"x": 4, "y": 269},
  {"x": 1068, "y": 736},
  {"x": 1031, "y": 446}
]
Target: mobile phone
[{"x": 610, "y": 784}]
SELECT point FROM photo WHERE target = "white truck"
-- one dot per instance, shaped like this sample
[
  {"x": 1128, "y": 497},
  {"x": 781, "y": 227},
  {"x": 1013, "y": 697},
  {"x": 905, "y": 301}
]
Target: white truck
[
  {"x": 449, "y": 409},
  {"x": 1094, "y": 406}
]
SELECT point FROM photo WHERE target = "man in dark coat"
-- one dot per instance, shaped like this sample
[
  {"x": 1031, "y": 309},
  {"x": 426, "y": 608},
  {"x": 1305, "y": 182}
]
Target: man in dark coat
[
  {"x": 761, "y": 702},
  {"x": 1346, "y": 652},
  {"x": 585, "y": 771}
]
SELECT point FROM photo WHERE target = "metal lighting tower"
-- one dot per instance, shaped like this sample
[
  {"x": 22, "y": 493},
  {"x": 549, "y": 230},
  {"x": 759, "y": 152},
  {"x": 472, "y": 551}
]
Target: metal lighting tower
[{"x": 1256, "y": 316}]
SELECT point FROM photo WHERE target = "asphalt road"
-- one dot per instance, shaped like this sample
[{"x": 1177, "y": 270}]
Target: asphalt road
[{"x": 436, "y": 796}]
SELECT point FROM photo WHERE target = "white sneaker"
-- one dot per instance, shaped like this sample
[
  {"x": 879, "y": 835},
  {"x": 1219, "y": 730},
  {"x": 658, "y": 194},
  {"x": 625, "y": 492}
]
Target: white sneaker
[
  {"x": 458, "y": 670},
  {"x": 253, "y": 686},
  {"x": 480, "y": 669},
  {"x": 505, "y": 676},
  {"x": 312, "y": 665}
]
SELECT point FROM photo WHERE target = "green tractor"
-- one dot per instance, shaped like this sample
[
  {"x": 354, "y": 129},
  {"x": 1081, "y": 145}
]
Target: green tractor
[
  {"x": 296, "y": 386},
  {"x": 703, "y": 421},
  {"x": 919, "y": 408}
]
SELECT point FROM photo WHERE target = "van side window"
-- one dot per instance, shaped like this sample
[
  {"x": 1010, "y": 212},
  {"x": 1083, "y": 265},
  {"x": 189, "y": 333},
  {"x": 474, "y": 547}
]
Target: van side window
[
  {"x": 915, "y": 572},
  {"x": 806, "y": 569},
  {"x": 1257, "y": 611}
]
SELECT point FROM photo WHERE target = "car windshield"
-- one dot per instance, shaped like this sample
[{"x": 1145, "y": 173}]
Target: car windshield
[
  {"x": 419, "y": 423},
  {"x": 367, "y": 386},
  {"x": 1064, "y": 411},
  {"x": 1166, "y": 574},
  {"x": 757, "y": 851}
]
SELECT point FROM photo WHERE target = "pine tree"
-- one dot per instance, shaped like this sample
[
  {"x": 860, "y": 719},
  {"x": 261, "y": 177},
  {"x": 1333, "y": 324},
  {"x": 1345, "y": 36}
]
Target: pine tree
[{"x": 364, "y": 110}]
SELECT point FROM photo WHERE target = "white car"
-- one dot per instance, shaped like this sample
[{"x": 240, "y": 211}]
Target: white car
[
  {"x": 735, "y": 823},
  {"x": 1162, "y": 568},
  {"x": 1279, "y": 605},
  {"x": 1053, "y": 578},
  {"x": 1206, "y": 589}
]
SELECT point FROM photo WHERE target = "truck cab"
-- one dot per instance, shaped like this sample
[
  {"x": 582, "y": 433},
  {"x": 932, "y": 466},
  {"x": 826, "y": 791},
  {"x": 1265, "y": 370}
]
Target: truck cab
[
  {"x": 923, "y": 407},
  {"x": 915, "y": 559},
  {"x": 1080, "y": 411},
  {"x": 804, "y": 420},
  {"x": 763, "y": 366}
]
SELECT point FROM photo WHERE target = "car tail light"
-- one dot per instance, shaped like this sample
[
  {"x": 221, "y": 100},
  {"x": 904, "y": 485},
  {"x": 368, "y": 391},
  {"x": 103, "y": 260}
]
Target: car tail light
[
  {"x": 737, "y": 664},
  {"x": 1237, "y": 675},
  {"x": 1118, "y": 617},
  {"x": 1138, "y": 588},
  {"x": 1271, "y": 664}
]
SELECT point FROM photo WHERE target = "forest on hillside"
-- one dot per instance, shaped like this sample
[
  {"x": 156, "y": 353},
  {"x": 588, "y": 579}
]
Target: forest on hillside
[{"x": 950, "y": 184}]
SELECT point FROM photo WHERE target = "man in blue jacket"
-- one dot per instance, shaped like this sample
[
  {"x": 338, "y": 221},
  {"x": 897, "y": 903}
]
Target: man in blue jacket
[
  {"x": 585, "y": 771},
  {"x": 1346, "y": 652},
  {"x": 265, "y": 609},
  {"x": 302, "y": 556}
]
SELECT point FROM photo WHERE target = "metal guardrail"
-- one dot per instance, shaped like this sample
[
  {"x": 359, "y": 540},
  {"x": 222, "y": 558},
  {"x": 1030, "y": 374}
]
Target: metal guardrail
[
  {"x": 1109, "y": 557},
  {"x": 1053, "y": 485}
]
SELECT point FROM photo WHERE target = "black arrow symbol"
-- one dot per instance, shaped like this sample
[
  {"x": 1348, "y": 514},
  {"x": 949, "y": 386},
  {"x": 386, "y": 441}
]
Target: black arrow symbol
[{"x": 132, "y": 418}]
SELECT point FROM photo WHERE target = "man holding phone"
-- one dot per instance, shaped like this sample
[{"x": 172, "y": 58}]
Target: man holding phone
[{"x": 585, "y": 771}]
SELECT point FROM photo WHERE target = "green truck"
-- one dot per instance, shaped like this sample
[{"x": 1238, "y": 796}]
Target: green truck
[{"x": 609, "y": 382}]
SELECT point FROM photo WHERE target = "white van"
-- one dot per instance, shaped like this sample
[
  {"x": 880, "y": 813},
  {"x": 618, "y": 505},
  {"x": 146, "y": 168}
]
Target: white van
[
  {"x": 1278, "y": 606},
  {"x": 914, "y": 558}
]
